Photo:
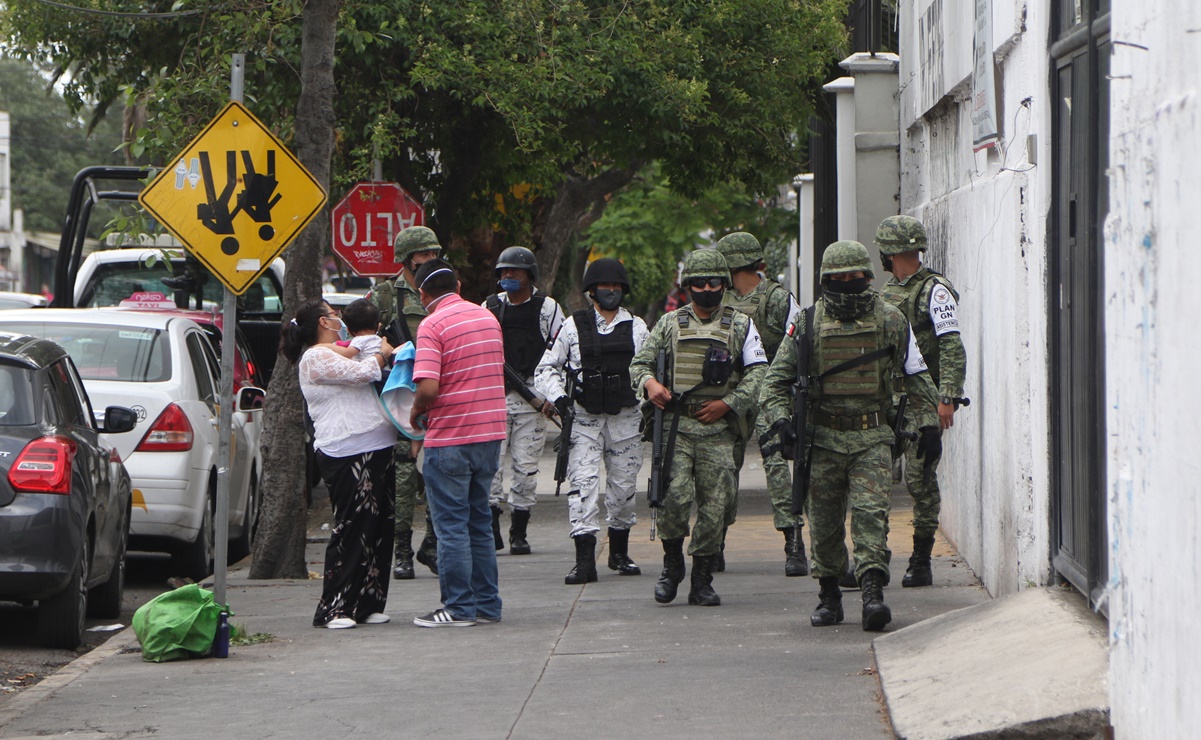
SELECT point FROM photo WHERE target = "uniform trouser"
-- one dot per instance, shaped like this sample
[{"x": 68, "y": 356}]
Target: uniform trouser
[
  {"x": 409, "y": 485},
  {"x": 927, "y": 501},
  {"x": 779, "y": 481},
  {"x": 519, "y": 452},
  {"x": 863, "y": 479},
  {"x": 702, "y": 470},
  {"x": 622, "y": 459}
]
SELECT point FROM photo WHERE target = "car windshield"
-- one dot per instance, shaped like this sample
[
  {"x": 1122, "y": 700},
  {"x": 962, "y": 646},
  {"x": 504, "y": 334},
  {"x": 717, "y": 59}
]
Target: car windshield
[
  {"x": 16, "y": 396},
  {"x": 102, "y": 352},
  {"x": 115, "y": 282}
]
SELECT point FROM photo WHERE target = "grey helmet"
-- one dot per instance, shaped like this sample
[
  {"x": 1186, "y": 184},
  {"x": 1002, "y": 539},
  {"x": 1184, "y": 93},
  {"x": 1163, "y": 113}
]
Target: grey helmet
[{"x": 519, "y": 258}]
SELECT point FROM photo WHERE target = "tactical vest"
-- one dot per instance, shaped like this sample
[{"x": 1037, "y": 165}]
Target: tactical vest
[
  {"x": 397, "y": 297},
  {"x": 693, "y": 339},
  {"x": 604, "y": 385},
  {"x": 522, "y": 329},
  {"x": 907, "y": 298},
  {"x": 837, "y": 342},
  {"x": 755, "y": 304}
]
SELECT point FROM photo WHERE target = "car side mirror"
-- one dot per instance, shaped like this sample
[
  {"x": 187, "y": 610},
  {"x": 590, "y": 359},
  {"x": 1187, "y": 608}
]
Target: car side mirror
[
  {"x": 251, "y": 398},
  {"x": 118, "y": 419}
]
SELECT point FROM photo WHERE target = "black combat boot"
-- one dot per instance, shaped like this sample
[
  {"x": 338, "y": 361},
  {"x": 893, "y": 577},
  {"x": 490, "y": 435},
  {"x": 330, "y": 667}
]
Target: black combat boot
[
  {"x": 673, "y": 571},
  {"x": 517, "y": 543},
  {"x": 795, "y": 562},
  {"x": 500, "y": 541},
  {"x": 918, "y": 573},
  {"x": 829, "y": 608},
  {"x": 585, "y": 561},
  {"x": 848, "y": 580},
  {"x": 876, "y": 613},
  {"x": 619, "y": 553},
  {"x": 719, "y": 561},
  {"x": 702, "y": 593},
  {"x": 404, "y": 556}
]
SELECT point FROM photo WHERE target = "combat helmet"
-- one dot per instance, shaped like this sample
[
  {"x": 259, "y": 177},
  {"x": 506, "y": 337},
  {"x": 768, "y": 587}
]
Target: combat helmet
[
  {"x": 898, "y": 234},
  {"x": 701, "y": 263},
  {"x": 740, "y": 249},
  {"x": 606, "y": 270},
  {"x": 846, "y": 256},
  {"x": 519, "y": 258},
  {"x": 413, "y": 240}
]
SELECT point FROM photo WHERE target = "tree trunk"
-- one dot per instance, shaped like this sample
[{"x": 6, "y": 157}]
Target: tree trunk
[{"x": 280, "y": 544}]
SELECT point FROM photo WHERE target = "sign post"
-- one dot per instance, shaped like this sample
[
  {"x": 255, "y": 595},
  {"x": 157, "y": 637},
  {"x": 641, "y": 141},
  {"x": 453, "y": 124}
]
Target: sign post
[{"x": 365, "y": 223}]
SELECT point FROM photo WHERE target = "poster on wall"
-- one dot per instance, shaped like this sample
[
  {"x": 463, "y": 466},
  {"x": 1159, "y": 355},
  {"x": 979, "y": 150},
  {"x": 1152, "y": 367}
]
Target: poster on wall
[{"x": 984, "y": 97}]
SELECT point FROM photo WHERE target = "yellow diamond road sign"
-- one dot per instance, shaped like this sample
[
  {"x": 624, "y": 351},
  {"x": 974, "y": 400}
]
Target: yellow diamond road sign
[{"x": 235, "y": 197}]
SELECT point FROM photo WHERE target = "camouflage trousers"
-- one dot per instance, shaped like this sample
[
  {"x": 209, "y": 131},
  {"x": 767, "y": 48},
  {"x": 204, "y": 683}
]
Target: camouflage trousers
[
  {"x": 409, "y": 487},
  {"x": 863, "y": 479},
  {"x": 779, "y": 481},
  {"x": 927, "y": 500},
  {"x": 702, "y": 471},
  {"x": 519, "y": 453},
  {"x": 622, "y": 459}
]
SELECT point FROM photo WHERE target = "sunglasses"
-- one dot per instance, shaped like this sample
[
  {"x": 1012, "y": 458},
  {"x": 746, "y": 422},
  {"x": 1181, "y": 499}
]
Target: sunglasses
[{"x": 700, "y": 283}]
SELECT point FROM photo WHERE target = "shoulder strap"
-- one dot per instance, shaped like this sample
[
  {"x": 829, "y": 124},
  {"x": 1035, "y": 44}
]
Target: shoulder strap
[{"x": 494, "y": 304}]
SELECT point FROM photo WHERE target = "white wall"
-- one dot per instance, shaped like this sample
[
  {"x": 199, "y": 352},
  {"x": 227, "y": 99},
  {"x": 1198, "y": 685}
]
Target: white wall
[
  {"x": 1154, "y": 356},
  {"x": 986, "y": 215}
]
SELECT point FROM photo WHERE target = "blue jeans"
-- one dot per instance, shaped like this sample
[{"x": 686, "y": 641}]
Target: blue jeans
[{"x": 457, "y": 482}]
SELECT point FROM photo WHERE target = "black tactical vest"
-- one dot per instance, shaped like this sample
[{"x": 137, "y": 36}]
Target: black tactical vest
[
  {"x": 604, "y": 383},
  {"x": 522, "y": 330}
]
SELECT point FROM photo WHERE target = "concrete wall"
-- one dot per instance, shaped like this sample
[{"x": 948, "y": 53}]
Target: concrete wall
[
  {"x": 1154, "y": 417},
  {"x": 986, "y": 213}
]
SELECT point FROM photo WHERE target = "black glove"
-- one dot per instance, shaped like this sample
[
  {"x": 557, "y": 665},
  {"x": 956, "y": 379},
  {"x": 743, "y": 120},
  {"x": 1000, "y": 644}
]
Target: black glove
[
  {"x": 787, "y": 434},
  {"x": 929, "y": 446},
  {"x": 562, "y": 404}
]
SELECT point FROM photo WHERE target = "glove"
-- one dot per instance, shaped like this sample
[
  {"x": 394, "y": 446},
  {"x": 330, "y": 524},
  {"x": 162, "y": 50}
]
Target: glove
[
  {"x": 787, "y": 434},
  {"x": 929, "y": 446},
  {"x": 562, "y": 404}
]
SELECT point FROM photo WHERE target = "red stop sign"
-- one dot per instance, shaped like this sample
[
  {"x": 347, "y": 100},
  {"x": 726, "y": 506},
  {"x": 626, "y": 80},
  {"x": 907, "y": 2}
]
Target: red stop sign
[{"x": 366, "y": 222}]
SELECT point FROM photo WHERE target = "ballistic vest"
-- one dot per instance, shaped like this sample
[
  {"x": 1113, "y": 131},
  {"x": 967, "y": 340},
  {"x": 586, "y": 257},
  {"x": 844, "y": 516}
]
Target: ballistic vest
[
  {"x": 840, "y": 341},
  {"x": 755, "y": 304},
  {"x": 604, "y": 385},
  {"x": 522, "y": 329},
  {"x": 908, "y": 299},
  {"x": 393, "y": 297},
  {"x": 693, "y": 340}
]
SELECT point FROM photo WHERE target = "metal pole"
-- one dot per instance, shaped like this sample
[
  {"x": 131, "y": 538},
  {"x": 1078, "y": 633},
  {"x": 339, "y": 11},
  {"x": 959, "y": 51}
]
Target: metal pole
[{"x": 229, "y": 323}]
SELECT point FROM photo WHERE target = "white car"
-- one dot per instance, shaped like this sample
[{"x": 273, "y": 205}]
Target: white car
[
  {"x": 164, "y": 368},
  {"x": 9, "y": 299}
]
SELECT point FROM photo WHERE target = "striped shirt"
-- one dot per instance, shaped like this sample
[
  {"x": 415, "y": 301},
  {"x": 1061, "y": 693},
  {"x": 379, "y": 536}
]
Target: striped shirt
[{"x": 460, "y": 345}]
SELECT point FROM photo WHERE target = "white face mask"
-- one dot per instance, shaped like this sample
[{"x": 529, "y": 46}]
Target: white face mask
[{"x": 343, "y": 332}]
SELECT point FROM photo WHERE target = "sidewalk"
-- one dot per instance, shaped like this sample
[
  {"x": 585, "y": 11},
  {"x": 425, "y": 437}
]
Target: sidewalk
[{"x": 601, "y": 660}]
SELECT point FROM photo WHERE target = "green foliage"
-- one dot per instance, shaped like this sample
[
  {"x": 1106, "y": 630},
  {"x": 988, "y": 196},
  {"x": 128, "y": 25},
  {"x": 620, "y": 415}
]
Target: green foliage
[{"x": 238, "y": 636}]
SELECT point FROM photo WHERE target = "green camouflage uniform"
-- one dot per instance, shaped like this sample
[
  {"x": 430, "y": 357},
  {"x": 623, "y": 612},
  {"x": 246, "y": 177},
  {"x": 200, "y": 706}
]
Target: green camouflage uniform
[
  {"x": 850, "y": 463},
  {"x": 702, "y": 469}
]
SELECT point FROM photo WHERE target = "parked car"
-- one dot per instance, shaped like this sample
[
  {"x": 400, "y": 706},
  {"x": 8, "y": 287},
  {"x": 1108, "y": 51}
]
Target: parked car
[
  {"x": 164, "y": 368},
  {"x": 64, "y": 493},
  {"x": 9, "y": 299}
]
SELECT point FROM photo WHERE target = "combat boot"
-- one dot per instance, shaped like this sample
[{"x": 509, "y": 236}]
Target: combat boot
[
  {"x": 517, "y": 544},
  {"x": 918, "y": 573},
  {"x": 702, "y": 593},
  {"x": 673, "y": 571},
  {"x": 585, "y": 561},
  {"x": 829, "y": 606},
  {"x": 848, "y": 580},
  {"x": 619, "y": 557},
  {"x": 500, "y": 541},
  {"x": 427, "y": 551},
  {"x": 795, "y": 562},
  {"x": 876, "y": 613},
  {"x": 719, "y": 562},
  {"x": 404, "y": 556}
]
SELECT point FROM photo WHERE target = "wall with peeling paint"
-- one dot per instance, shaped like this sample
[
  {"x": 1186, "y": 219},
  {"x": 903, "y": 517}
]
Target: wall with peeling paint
[{"x": 1153, "y": 365}]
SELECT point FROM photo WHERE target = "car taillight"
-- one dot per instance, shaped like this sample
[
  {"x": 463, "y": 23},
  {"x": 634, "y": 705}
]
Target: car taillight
[
  {"x": 44, "y": 466},
  {"x": 170, "y": 432}
]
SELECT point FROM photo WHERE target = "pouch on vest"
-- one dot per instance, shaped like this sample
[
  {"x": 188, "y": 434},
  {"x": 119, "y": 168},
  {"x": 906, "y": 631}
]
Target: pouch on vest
[
  {"x": 616, "y": 385},
  {"x": 592, "y": 390},
  {"x": 719, "y": 364}
]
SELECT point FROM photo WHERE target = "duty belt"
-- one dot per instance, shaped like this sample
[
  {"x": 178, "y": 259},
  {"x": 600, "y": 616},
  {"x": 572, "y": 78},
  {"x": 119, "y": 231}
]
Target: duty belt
[
  {"x": 849, "y": 423},
  {"x": 689, "y": 408}
]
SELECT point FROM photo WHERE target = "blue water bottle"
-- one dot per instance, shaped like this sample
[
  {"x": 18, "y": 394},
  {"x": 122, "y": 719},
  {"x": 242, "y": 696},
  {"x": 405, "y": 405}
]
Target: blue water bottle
[{"x": 221, "y": 640}]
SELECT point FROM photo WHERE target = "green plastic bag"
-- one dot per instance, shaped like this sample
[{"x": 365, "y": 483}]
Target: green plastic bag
[{"x": 176, "y": 625}]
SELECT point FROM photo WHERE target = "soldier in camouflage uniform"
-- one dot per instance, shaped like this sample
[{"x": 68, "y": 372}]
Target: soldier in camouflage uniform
[
  {"x": 716, "y": 361},
  {"x": 773, "y": 309},
  {"x": 862, "y": 352},
  {"x": 929, "y": 302},
  {"x": 395, "y": 297}
]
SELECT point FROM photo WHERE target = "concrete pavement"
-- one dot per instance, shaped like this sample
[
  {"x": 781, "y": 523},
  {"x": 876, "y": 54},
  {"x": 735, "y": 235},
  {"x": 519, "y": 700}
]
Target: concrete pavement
[{"x": 600, "y": 660}]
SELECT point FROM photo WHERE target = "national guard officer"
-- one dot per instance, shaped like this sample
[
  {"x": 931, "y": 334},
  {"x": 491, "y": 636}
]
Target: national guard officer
[
  {"x": 861, "y": 351},
  {"x": 397, "y": 298},
  {"x": 716, "y": 363},
  {"x": 529, "y": 319},
  {"x": 929, "y": 302},
  {"x": 595, "y": 347},
  {"x": 773, "y": 309}
]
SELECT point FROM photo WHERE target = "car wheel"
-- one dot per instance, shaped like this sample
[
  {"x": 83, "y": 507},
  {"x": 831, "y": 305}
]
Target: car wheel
[
  {"x": 195, "y": 560},
  {"x": 105, "y": 600},
  {"x": 61, "y": 617},
  {"x": 241, "y": 547}
]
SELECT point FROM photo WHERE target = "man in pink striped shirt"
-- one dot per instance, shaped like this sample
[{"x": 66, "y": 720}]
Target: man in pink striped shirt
[{"x": 460, "y": 400}]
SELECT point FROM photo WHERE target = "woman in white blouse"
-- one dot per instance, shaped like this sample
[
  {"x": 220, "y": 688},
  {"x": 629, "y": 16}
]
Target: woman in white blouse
[{"x": 354, "y": 443}]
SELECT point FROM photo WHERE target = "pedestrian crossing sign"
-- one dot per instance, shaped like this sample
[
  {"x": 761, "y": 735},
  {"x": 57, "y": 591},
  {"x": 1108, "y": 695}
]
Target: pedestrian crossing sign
[{"x": 235, "y": 197}]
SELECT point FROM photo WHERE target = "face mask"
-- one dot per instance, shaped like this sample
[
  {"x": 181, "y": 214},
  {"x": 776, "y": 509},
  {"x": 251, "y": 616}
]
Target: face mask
[
  {"x": 607, "y": 299},
  {"x": 707, "y": 298},
  {"x": 848, "y": 306},
  {"x": 510, "y": 285},
  {"x": 343, "y": 332},
  {"x": 886, "y": 261}
]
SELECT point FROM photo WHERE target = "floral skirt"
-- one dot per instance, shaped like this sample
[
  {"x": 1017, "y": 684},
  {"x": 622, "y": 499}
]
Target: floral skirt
[{"x": 359, "y": 554}]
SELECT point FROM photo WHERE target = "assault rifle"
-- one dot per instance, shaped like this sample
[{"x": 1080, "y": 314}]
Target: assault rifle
[
  {"x": 898, "y": 428},
  {"x": 800, "y": 418},
  {"x": 568, "y": 416},
  {"x": 517, "y": 383},
  {"x": 660, "y": 478}
]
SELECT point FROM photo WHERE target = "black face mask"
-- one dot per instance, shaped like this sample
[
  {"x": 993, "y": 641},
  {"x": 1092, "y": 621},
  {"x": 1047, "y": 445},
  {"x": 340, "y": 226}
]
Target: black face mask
[
  {"x": 607, "y": 298},
  {"x": 706, "y": 298},
  {"x": 847, "y": 287},
  {"x": 886, "y": 261}
]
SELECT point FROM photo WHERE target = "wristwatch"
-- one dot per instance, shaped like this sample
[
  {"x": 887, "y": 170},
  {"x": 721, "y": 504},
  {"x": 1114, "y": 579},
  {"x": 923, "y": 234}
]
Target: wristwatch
[{"x": 947, "y": 400}]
